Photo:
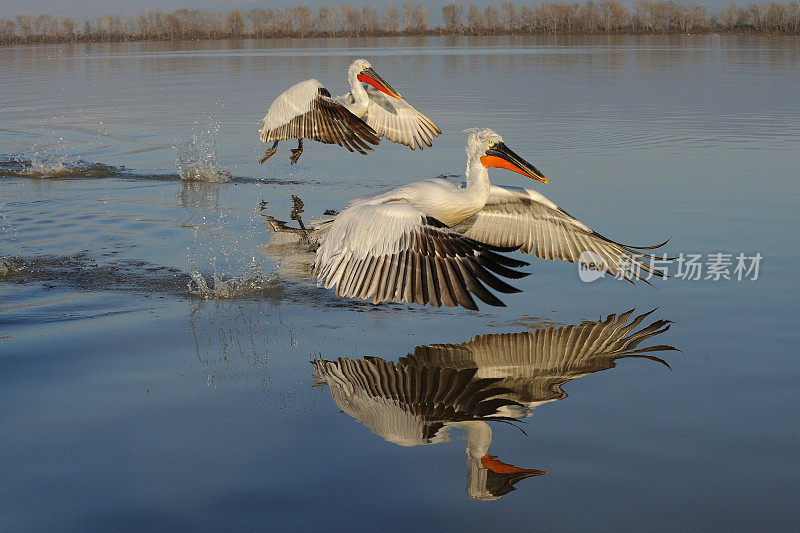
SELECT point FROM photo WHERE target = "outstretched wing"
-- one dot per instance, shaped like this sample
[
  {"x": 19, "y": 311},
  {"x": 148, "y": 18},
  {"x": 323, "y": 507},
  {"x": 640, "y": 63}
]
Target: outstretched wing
[
  {"x": 534, "y": 365},
  {"x": 399, "y": 121},
  {"x": 514, "y": 216},
  {"x": 395, "y": 252},
  {"x": 307, "y": 111}
]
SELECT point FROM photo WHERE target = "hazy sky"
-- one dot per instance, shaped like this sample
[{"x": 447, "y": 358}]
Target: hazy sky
[{"x": 91, "y": 9}]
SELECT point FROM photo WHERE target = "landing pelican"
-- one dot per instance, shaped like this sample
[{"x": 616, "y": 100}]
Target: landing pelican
[
  {"x": 355, "y": 120},
  {"x": 432, "y": 242}
]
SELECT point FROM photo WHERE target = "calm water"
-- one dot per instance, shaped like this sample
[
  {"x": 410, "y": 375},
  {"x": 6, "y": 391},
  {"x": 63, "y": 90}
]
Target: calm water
[{"x": 135, "y": 396}]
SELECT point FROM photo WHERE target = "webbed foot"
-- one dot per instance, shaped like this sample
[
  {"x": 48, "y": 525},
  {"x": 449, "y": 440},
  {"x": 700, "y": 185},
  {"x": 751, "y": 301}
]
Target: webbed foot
[
  {"x": 269, "y": 153},
  {"x": 295, "y": 155}
]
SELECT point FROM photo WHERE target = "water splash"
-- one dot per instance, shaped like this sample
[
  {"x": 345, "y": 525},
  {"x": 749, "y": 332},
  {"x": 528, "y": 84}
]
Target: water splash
[
  {"x": 85, "y": 273},
  {"x": 6, "y": 268},
  {"x": 55, "y": 167},
  {"x": 64, "y": 166},
  {"x": 54, "y": 158},
  {"x": 8, "y": 232},
  {"x": 250, "y": 282},
  {"x": 196, "y": 153}
]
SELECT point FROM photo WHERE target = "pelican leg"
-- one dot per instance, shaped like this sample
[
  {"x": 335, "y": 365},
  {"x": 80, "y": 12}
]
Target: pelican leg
[
  {"x": 269, "y": 153},
  {"x": 296, "y": 152}
]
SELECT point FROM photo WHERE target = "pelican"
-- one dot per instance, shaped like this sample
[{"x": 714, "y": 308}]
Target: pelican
[
  {"x": 433, "y": 242},
  {"x": 355, "y": 120},
  {"x": 490, "y": 378}
]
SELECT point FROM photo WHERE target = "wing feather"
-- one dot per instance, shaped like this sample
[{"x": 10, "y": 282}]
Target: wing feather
[
  {"x": 394, "y": 252},
  {"x": 524, "y": 218},
  {"x": 306, "y": 110},
  {"x": 399, "y": 121}
]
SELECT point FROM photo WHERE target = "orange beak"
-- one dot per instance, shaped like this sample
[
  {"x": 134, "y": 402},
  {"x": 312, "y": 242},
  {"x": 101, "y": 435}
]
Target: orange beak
[
  {"x": 501, "y": 156},
  {"x": 491, "y": 462},
  {"x": 371, "y": 77}
]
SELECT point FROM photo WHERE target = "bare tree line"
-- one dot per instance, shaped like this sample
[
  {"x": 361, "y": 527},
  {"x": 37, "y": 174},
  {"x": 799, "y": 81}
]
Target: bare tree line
[{"x": 600, "y": 17}]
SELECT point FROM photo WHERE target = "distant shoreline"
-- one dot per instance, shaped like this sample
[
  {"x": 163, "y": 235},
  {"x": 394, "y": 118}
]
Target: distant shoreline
[
  {"x": 606, "y": 17},
  {"x": 430, "y": 33}
]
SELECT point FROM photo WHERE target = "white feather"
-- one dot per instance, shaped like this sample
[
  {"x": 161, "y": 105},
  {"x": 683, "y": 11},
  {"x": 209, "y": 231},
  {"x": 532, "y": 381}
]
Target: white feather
[
  {"x": 293, "y": 102},
  {"x": 398, "y": 121}
]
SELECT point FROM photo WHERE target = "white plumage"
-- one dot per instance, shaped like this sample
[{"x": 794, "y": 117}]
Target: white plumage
[
  {"x": 355, "y": 120},
  {"x": 395, "y": 251},
  {"x": 513, "y": 216},
  {"x": 395, "y": 119},
  {"x": 295, "y": 101},
  {"x": 432, "y": 242}
]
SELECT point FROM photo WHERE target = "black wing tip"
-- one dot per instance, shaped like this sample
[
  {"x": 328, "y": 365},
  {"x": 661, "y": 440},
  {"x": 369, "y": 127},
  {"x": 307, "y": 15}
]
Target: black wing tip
[
  {"x": 653, "y": 247},
  {"x": 342, "y": 127},
  {"x": 637, "y": 250},
  {"x": 472, "y": 307},
  {"x": 448, "y": 269},
  {"x": 503, "y": 249}
]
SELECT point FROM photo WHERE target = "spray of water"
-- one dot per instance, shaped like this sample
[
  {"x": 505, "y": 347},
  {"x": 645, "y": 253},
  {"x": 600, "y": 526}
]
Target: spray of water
[
  {"x": 6, "y": 269},
  {"x": 8, "y": 233},
  {"x": 54, "y": 159},
  {"x": 37, "y": 167},
  {"x": 50, "y": 159},
  {"x": 250, "y": 282},
  {"x": 196, "y": 153}
]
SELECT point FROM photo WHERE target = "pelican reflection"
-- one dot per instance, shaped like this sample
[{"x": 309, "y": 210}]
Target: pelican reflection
[{"x": 490, "y": 378}]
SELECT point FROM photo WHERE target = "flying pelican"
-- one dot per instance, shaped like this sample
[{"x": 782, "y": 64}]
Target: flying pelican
[
  {"x": 355, "y": 120},
  {"x": 490, "y": 378},
  {"x": 432, "y": 242}
]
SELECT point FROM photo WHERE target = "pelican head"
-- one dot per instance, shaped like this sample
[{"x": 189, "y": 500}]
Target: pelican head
[
  {"x": 492, "y": 151},
  {"x": 365, "y": 73}
]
